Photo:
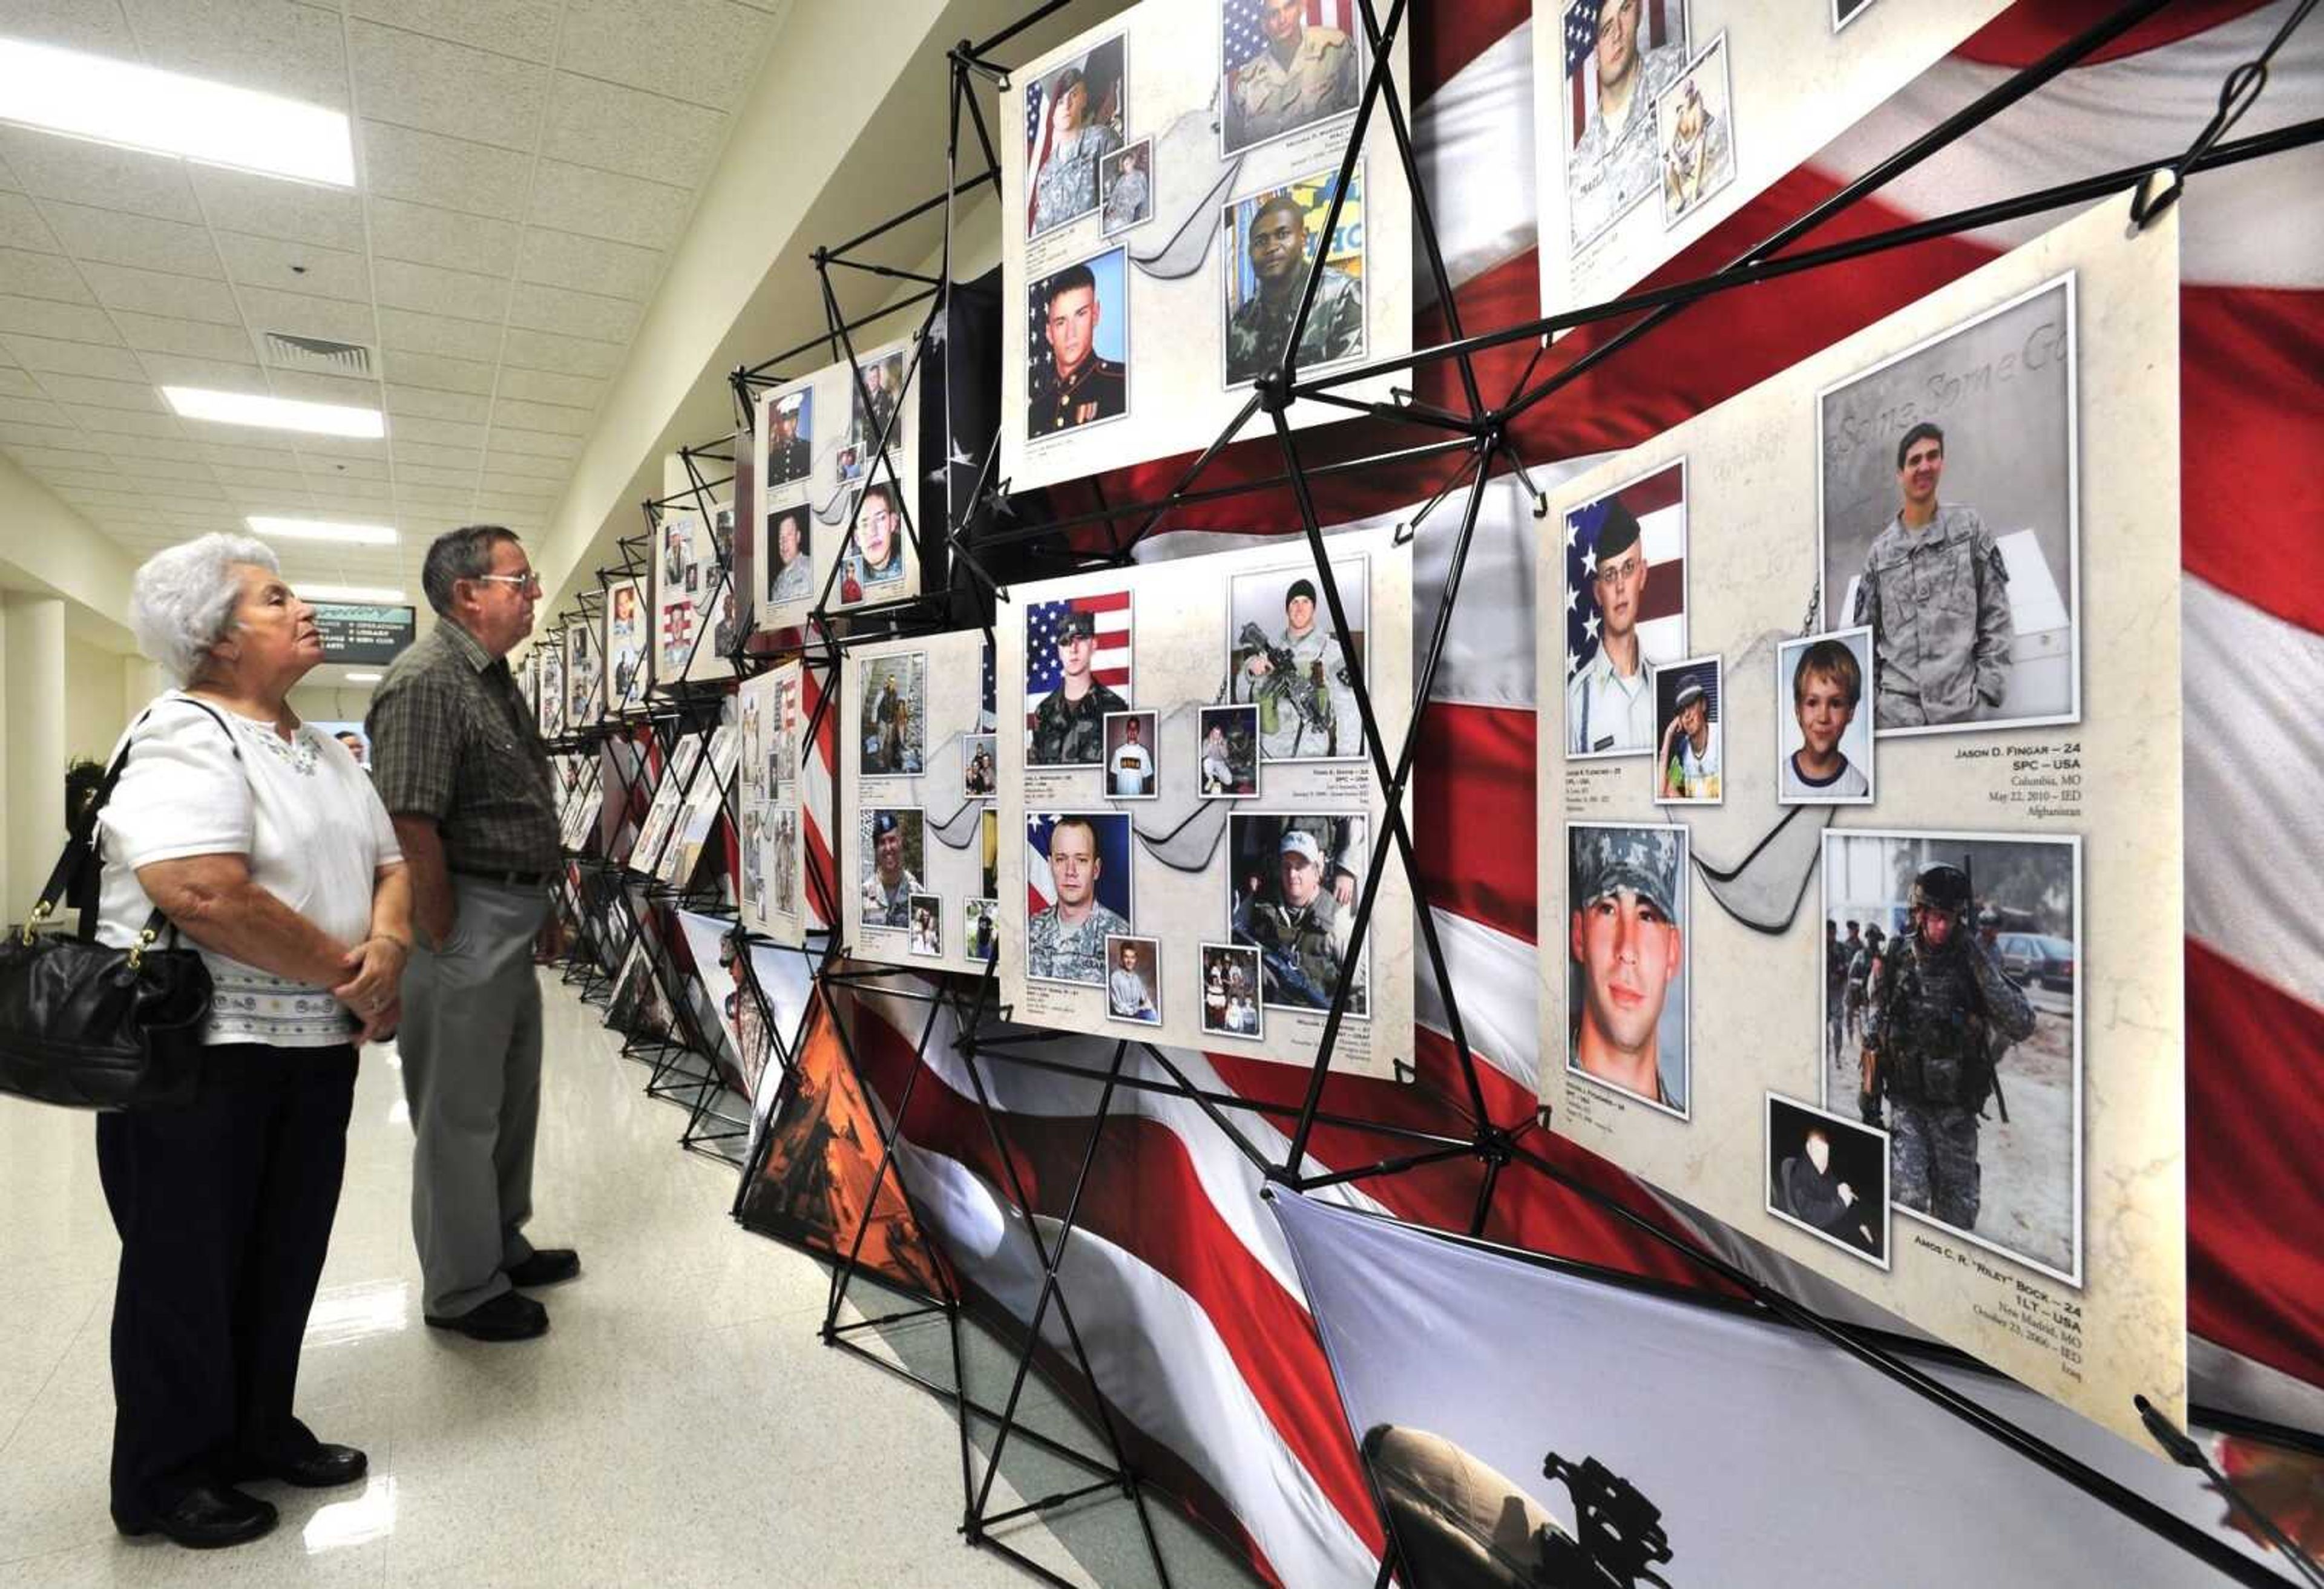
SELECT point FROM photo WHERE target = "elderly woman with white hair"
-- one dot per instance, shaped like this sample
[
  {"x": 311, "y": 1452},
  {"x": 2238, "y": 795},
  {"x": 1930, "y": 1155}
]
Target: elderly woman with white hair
[{"x": 261, "y": 842}]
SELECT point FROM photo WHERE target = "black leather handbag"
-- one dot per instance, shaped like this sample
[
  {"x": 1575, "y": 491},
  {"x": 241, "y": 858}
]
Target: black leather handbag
[{"x": 88, "y": 1026}]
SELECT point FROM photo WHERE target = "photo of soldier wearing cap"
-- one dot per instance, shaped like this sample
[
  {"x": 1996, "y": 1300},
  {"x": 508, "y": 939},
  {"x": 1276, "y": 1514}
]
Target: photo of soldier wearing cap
[
  {"x": 891, "y": 856},
  {"x": 1626, "y": 937},
  {"x": 1689, "y": 754},
  {"x": 1069, "y": 725},
  {"x": 1294, "y": 882},
  {"x": 1829, "y": 1176},
  {"x": 1284, "y": 659},
  {"x": 1625, "y": 610},
  {"x": 1065, "y": 937}
]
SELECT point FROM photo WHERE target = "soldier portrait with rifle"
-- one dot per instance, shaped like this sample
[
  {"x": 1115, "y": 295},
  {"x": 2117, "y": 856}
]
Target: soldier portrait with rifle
[
  {"x": 1299, "y": 677},
  {"x": 1937, "y": 1007},
  {"x": 1298, "y": 908}
]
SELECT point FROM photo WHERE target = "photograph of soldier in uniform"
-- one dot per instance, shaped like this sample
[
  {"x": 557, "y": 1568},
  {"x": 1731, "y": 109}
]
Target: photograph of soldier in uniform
[
  {"x": 1231, "y": 978},
  {"x": 1283, "y": 659},
  {"x": 790, "y": 571},
  {"x": 791, "y": 438},
  {"x": 1823, "y": 750},
  {"x": 1948, "y": 520},
  {"x": 1127, "y": 180},
  {"x": 895, "y": 720},
  {"x": 1077, "y": 352},
  {"x": 927, "y": 936},
  {"x": 1077, "y": 893},
  {"x": 1285, "y": 65},
  {"x": 1620, "y": 55},
  {"x": 625, "y": 646},
  {"x": 1073, "y": 118},
  {"x": 874, "y": 409},
  {"x": 1625, "y": 610},
  {"x": 1230, "y": 752},
  {"x": 1132, "y": 771},
  {"x": 1295, "y": 880},
  {"x": 1077, "y": 651},
  {"x": 1829, "y": 1176},
  {"x": 1969, "y": 1050},
  {"x": 781, "y": 859},
  {"x": 891, "y": 845},
  {"x": 979, "y": 767},
  {"x": 874, "y": 555},
  {"x": 1695, "y": 134},
  {"x": 1625, "y": 993},
  {"x": 1272, "y": 240},
  {"x": 1133, "y": 980},
  {"x": 1688, "y": 754}
]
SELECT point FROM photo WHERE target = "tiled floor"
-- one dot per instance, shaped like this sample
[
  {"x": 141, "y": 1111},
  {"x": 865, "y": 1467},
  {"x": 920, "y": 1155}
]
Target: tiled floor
[{"x": 681, "y": 1424}]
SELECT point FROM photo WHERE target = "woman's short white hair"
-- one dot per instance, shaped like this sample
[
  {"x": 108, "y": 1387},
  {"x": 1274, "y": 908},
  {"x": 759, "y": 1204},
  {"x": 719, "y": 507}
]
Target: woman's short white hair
[{"x": 184, "y": 597}]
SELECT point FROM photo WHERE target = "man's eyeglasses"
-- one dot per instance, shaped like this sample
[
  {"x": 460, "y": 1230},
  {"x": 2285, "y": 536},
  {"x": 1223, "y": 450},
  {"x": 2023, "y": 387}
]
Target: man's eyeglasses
[{"x": 523, "y": 582}]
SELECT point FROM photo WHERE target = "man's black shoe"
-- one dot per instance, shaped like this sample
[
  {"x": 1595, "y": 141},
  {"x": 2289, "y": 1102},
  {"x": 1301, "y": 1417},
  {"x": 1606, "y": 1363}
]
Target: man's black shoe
[
  {"x": 506, "y": 1318},
  {"x": 546, "y": 1267},
  {"x": 326, "y": 1467},
  {"x": 208, "y": 1518}
]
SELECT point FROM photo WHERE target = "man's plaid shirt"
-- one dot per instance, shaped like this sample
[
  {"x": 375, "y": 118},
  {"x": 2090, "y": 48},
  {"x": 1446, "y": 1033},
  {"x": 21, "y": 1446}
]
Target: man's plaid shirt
[{"x": 452, "y": 739}]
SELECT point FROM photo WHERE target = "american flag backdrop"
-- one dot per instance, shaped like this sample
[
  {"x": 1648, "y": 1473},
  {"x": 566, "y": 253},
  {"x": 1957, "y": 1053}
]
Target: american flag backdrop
[
  {"x": 1658, "y": 502},
  {"x": 988, "y": 715},
  {"x": 1245, "y": 38},
  {"x": 1660, "y": 22},
  {"x": 1110, "y": 666},
  {"x": 1036, "y": 138}
]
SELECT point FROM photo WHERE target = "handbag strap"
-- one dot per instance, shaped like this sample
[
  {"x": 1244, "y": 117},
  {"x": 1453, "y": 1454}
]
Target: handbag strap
[{"x": 81, "y": 844}]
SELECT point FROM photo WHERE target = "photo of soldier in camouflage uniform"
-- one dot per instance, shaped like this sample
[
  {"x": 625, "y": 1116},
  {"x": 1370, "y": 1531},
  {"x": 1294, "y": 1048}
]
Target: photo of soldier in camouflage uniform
[
  {"x": 891, "y": 844},
  {"x": 1282, "y": 72},
  {"x": 1086, "y": 897},
  {"x": 1294, "y": 883},
  {"x": 1283, "y": 657},
  {"x": 1272, "y": 241}
]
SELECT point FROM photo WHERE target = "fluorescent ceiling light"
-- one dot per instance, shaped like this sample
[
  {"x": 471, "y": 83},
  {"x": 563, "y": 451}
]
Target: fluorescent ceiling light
[
  {"x": 317, "y": 530},
  {"x": 168, "y": 112},
  {"x": 365, "y": 678},
  {"x": 275, "y": 413},
  {"x": 361, "y": 595}
]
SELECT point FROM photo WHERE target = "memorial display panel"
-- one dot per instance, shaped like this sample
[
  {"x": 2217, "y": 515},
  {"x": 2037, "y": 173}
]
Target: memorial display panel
[
  {"x": 1861, "y": 889},
  {"x": 696, "y": 621},
  {"x": 627, "y": 659},
  {"x": 773, "y": 723}
]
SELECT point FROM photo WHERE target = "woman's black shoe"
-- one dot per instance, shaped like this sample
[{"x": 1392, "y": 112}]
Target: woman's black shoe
[{"x": 209, "y": 1517}]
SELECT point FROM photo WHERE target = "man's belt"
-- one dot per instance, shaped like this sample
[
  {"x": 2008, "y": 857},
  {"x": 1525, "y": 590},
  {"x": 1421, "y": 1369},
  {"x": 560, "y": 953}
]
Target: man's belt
[{"x": 505, "y": 879}]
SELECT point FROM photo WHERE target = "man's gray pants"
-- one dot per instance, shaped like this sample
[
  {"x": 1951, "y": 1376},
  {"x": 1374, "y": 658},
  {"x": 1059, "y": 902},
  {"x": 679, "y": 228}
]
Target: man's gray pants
[{"x": 471, "y": 1049}]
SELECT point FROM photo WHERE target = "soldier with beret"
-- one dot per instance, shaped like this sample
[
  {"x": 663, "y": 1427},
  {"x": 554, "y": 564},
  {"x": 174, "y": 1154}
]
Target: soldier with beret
[
  {"x": 1624, "y": 936},
  {"x": 1304, "y": 75},
  {"x": 1069, "y": 725},
  {"x": 1610, "y": 705},
  {"x": 1298, "y": 927},
  {"x": 1260, "y": 329},
  {"x": 887, "y": 891},
  {"x": 1077, "y": 385},
  {"x": 1066, "y": 941}
]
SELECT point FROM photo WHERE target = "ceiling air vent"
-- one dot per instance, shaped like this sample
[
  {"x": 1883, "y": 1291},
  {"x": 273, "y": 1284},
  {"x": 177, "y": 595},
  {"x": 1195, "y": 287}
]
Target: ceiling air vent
[{"x": 285, "y": 352}]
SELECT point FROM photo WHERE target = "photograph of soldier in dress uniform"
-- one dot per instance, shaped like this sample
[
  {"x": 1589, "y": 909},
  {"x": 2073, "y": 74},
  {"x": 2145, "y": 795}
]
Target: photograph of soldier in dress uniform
[
  {"x": 1829, "y": 1176},
  {"x": 893, "y": 845},
  {"x": 875, "y": 410},
  {"x": 1133, "y": 769},
  {"x": 1621, "y": 55},
  {"x": 1968, "y": 1045},
  {"x": 1294, "y": 883},
  {"x": 1625, "y": 610},
  {"x": 1272, "y": 239},
  {"x": 1695, "y": 134},
  {"x": 1077, "y": 893},
  {"x": 1230, "y": 752},
  {"x": 790, "y": 437},
  {"x": 1230, "y": 978},
  {"x": 927, "y": 936},
  {"x": 895, "y": 720},
  {"x": 1133, "y": 980},
  {"x": 874, "y": 555},
  {"x": 1283, "y": 659},
  {"x": 1073, "y": 118},
  {"x": 1127, "y": 180},
  {"x": 1948, "y": 520},
  {"x": 1285, "y": 65},
  {"x": 790, "y": 564},
  {"x": 981, "y": 929},
  {"x": 1689, "y": 728},
  {"x": 1077, "y": 346},
  {"x": 1626, "y": 991},
  {"x": 1823, "y": 748},
  {"x": 979, "y": 767},
  {"x": 1078, "y": 668}
]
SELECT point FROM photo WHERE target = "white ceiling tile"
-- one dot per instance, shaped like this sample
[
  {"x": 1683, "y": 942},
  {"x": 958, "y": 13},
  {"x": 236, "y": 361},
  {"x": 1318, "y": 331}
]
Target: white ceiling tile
[
  {"x": 95, "y": 25},
  {"x": 272, "y": 45},
  {"x": 638, "y": 135},
  {"x": 446, "y": 496},
  {"x": 501, "y": 461},
  {"x": 404, "y": 163},
  {"x": 589, "y": 264},
  {"x": 132, "y": 465},
  {"x": 534, "y": 308},
  {"x": 245, "y": 454},
  {"x": 408, "y": 476},
  {"x": 438, "y": 86},
  {"x": 412, "y": 332},
  {"x": 444, "y": 374},
  {"x": 333, "y": 474},
  {"x": 553, "y": 418},
  {"x": 28, "y": 274},
  {"x": 101, "y": 392},
  {"x": 103, "y": 489},
  {"x": 32, "y": 410},
  {"x": 700, "y": 51},
  {"x": 422, "y": 403},
  {"x": 59, "y": 458},
  {"x": 301, "y": 316},
  {"x": 99, "y": 174},
  {"x": 270, "y": 206},
  {"x": 463, "y": 294},
  {"x": 536, "y": 443},
  {"x": 21, "y": 225},
  {"x": 516, "y": 513},
  {"x": 119, "y": 239},
  {"x": 217, "y": 374},
  {"x": 522, "y": 28},
  {"x": 122, "y": 421},
  {"x": 453, "y": 239},
  {"x": 443, "y": 433},
  {"x": 60, "y": 437},
  {"x": 165, "y": 292},
  {"x": 311, "y": 386},
  {"x": 173, "y": 449},
  {"x": 234, "y": 474},
  {"x": 562, "y": 355},
  {"x": 500, "y": 482},
  {"x": 15, "y": 383},
  {"x": 294, "y": 267},
  {"x": 540, "y": 386},
  {"x": 69, "y": 358},
  {"x": 312, "y": 447},
  {"x": 606, "y": 204},
  {"x": 431, "y": 455},
  {"x": 196, "y": 339}
]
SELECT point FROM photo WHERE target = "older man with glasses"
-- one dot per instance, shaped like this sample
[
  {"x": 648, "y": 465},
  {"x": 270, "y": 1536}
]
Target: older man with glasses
[{"x": 459, "y": 763}]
